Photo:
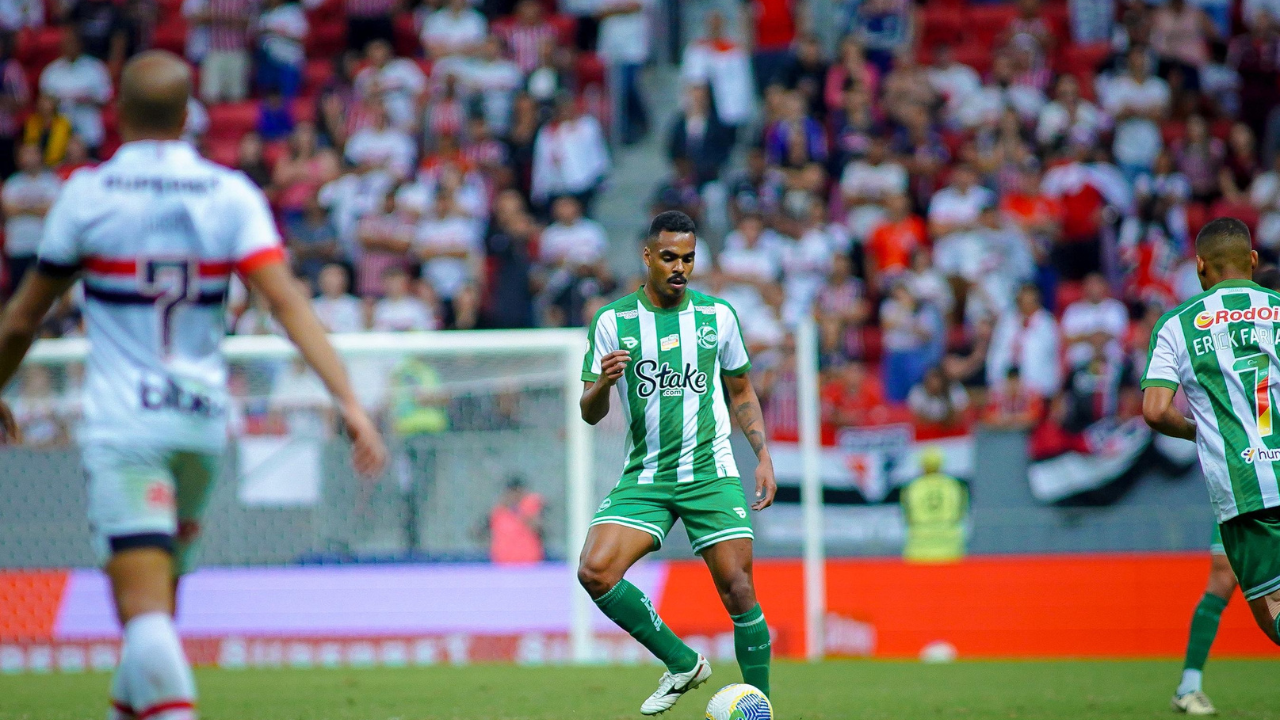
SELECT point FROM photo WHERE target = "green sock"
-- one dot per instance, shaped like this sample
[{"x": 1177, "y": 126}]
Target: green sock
[
  {"x": 751, "y": 643},
  {"x": 626, "y": 606},
  {"x": 1204, "y": 627}
]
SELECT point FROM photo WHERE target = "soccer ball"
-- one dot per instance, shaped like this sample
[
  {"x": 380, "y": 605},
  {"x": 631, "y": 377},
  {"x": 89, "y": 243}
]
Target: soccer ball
[{"x": 739, "y": 702}]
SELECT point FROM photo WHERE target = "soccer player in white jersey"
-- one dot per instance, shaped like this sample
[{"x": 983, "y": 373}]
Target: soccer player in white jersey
[
  {"x": 1220, "y": 348},
  {"x": 155, "y": 234},
  {"x": 672, "y": 354}
]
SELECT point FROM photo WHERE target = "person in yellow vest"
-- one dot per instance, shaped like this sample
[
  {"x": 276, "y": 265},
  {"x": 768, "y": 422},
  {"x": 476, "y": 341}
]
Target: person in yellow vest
[
  {"x": 418, "y": 407},
  {"x": 935, "y": 507}
]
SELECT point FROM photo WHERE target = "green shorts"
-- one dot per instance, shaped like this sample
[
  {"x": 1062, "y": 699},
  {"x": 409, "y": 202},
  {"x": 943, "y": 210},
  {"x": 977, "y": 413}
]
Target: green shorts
[
  {"x": 712, "y": 510},
  {"x": 1215, "y": 542},
  {"x": 1252, "y": 542}
]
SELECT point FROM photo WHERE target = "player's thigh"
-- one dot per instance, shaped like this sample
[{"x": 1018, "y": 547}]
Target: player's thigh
[
  {"x": 611, "y": 550},
  {"x": 713, "y": 511},
  {"x": 194, "y": 477},
  {"x": 1252, "y": 545},
  {"x": 646, "y": 508}
]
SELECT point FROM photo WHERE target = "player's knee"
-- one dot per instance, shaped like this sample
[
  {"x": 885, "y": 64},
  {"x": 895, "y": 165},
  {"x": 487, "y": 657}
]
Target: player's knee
[
  {"x": 738, "y": 593},
  {"x": 597, "y": 578},
  {"x": 1222, "y": 582}
]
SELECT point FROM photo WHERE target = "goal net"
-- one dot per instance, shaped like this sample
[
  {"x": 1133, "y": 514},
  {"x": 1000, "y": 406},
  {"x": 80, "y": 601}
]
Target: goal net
[{"x": 465, "y": 415}]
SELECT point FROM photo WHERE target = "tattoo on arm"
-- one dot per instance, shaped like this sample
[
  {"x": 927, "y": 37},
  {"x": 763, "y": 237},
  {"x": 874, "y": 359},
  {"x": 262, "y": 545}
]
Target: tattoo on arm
[{"x": 751, "y": 420}]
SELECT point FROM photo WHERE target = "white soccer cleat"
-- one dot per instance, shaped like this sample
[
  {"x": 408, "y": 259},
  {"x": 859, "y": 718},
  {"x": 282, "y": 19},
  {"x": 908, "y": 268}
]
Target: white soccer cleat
[
  {"x": 671, "y": 687},
  {"x": 1194, "y": 703}
]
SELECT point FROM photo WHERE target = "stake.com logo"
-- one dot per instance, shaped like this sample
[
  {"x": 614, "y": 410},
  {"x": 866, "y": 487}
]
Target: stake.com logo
[{"x": 1206, "y": 319}]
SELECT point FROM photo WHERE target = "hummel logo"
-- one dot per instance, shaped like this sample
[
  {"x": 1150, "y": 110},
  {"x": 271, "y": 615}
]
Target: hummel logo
[{"x": 630, "y": 342}]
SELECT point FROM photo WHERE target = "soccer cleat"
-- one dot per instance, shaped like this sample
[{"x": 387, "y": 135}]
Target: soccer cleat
[
  {"x": 671, "y": 687},
  {"x": 1194, "y": 703}
]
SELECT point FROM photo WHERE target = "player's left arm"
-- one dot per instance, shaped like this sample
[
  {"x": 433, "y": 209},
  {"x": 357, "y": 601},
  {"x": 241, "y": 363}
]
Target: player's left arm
[
  {"x": 1160, "y": 383},
  {"x": 1162, "y": 416},
  {"x": 746, "y": 408},
  {"x": 18, "y": 328}
]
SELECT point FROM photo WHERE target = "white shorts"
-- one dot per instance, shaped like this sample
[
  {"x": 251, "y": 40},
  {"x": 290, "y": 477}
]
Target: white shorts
[{"x": 147, "y": 497}]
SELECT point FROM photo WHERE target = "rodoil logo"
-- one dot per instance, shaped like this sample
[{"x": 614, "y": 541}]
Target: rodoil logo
[{"x": 1207, "y": 319}]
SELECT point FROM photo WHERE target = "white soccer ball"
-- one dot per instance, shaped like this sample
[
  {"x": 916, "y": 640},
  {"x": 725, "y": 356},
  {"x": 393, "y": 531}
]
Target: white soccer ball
[{"x": 739, "y": 702}]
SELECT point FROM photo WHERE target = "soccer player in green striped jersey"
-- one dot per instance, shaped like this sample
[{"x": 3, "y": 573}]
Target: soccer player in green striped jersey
[
  {"x": 674, "y": 354},
  {"x": 1220, "y": 347}
]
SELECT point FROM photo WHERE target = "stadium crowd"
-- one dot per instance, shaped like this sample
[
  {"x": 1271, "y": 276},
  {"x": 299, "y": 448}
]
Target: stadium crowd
[{"x": 985, "y": 206}]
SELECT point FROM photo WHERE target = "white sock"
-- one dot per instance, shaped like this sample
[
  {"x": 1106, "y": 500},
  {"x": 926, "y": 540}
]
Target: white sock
[
  {"x": 1190, "y": 682},
  {"x": 121, "y": 700},
  {"x": 159, "y": 677}
]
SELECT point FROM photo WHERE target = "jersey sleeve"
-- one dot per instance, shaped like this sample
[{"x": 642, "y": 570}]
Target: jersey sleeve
[
  {"x": 1162, "y": 358},
  {"x": 59, "y": 252},
  {"x": 602, "y": 339},
  {"x": 734, "y": 360},
  {"x": 255, "y": 241}
]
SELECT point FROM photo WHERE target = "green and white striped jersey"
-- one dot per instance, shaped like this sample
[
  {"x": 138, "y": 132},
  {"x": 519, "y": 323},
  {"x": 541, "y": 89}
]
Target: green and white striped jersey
[
  {"x": 1220, "y": 347},
  {"x": 672, "y": 396}
]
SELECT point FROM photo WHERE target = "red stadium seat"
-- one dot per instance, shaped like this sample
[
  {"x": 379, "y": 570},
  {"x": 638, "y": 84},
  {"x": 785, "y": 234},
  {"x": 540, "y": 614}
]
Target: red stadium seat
[
  {"x": 1197, "y": 216},
  {"x": 1244, "y": 212},
  {"x": 327, "y": 40},
  {"x": 566, "y": 27},
  {"x": 591, "y": 69},
  {"x": 329, "y": 10},
  {"x": 975, "y": 55},
  {"x": 223, "y": 152},
  {"x": 407, "y": 42},
  {"x": 171, "y": 36},
  {"x": 37, "y": 48},
  {"x": 304, "y": 109},
  {"x": 1080, "y": 58},
  {"x": 942, "y": 25},
  {"x": 231, "y": 120},
  {"x": 316, "y": 74},
  {"x": 984, "y": 23},
  {"x": 1068, "y": 292},
  {"x": 1173, "y": 132}
]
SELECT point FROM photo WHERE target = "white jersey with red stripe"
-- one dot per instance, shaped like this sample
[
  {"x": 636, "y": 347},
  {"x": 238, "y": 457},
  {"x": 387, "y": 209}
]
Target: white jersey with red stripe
[{"x": 156, "y": 233}]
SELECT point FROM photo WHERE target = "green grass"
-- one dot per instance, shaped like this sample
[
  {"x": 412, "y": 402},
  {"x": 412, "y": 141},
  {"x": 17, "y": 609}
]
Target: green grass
[{"x": 830, "y": 691}]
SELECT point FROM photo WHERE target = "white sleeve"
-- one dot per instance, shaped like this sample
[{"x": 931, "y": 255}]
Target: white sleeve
[
  {"x": 255, "y": 241},
  {"x": 733, "y": 349},
  {"x": 1163, "y": 358},
  {"x": 602, "y": 339},
  {"x": 59, "y": 250}
]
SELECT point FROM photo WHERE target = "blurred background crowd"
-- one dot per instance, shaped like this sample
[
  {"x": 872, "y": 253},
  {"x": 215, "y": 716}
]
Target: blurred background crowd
[{"x": 985, "y": 206}]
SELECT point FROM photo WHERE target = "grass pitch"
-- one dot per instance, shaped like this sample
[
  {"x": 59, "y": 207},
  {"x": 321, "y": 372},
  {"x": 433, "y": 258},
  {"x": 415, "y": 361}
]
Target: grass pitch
[{"x": 829, "y": 691}]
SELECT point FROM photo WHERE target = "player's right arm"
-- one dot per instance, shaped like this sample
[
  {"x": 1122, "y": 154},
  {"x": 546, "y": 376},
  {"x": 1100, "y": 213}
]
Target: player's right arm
[
  {"x": 602, "y": 367},
  {"x": 1160, "y": 384}
]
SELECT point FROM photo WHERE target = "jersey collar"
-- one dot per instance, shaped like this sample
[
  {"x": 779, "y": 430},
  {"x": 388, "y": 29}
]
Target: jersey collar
[
  {"x": 1238, "y": 283},
  {"x": 153, "y": 150},
  {"x": 648, "y": 305}
]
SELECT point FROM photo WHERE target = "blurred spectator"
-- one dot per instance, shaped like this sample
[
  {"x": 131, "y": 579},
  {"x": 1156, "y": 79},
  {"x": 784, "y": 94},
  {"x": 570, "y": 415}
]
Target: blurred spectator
[
  {"x": 807, "y": 262},
  {"x": 968, "y": 365},
  {"x": 551, "y": 75},
  {"x": 927, "y": 283},
  {"x": 275, "y": 118},
  {"x": 1256, "y": 57},
  {"x": 751, "y": 265},
  {"x": 1199, "y": 158},
  {"x": 197, "y": 123},
  {"x": 569, "y": 156},
  {"x": 81, "y": 85},
  {"x": 494, "y": 79},
  {"x": 1241, "y": 164},
  {"x": 1031, "y": 32},
  {"x": 349, "y": 198},
  {"x": 369, "y": 21},
  {"x": 311, "y": 239},
  {"x": 1078, "y": 189},
  {"x": 772, "y": 28},
  {"x": 935, "y": 510},
  {"x": 954, "y": 81},
  {"x": 854, "y": 126},
  {"x": 1264, "y": 194},
  {"x": 38, "y": 410},
  {"x": 624, "y": 47},
  {"x": 842, "y": 311},
  {"x": 755, "y": 188},
  {"x": 224, "y": 65},
  {"x": 455, "y": 29},
  {"x": 851, "y": 396},
  {"x": 953, "y": 216},
  {"x": 1001, "y": 92},
  {"x": 908, "y": 328},
  {"x": 805, "y": 72},
  {"x": 301, "y": 401},
  {"x": 1028, "y": 340},
  {"x": 18, "y": 14},
  {"x": 851, "y": 70},
  {"x": 282, "y": 30},
  {"x": 515, "y": 526},
  {"x": 48, "y": 129},
  {"x": 14, "y": 96},
  {"x": 338, "y": 310},
  {"x": 398, "y": 83},
  {"x": 866, "y": 186},
  {"x": 1069, "y": 118},
  {"x": 1139, "y": 102},
  {"x": 936, "y": 400},
  {"x": 717, "y": 61},
  {"x": 572, "y": 239},
  {"x": 104, "y": 29},
  {"x": 302, "y": 170},
  {"x": 450, "y": 247},
  {"x": 1094, "y": 384},
  {"x": 1094, "y": 313},
  {"x": 510, "y": 259},
  {"x": 527, "y": 35},
  {"x": 386, "y": 235},
  {"x": 399, "y": 310},
  {"x": 382, "y": 146},
  {"x": 796, "y": 139},
  {"x": 1013, "y": 406},
  {"x": 697, "y": 135},
  {"x": 884, "y": 28},
  {"x": 76, "y": 157},
  {"x": 251, "y": 161},
  {"x": 27, "y": 196},
  {"x": 1180, "y": 36},
  {"x": 337, "y": 100}
]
